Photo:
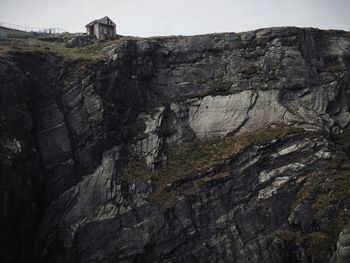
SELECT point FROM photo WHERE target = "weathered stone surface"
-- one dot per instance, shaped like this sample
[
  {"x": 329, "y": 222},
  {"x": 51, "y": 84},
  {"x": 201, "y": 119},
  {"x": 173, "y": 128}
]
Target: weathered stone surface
[
  {"x": 19, "y": 165},
  {"x": 79, "y": 41},
  {"x": 302, "y": 215},
  {"x": 74, "y": 173},
  {"x": 150, "y": 146},
  {"x": 342, "y": 254}
]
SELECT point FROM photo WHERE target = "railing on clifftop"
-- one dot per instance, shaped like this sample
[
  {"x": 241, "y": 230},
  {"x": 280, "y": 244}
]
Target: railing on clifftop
[{"x": 40, "y": 30}]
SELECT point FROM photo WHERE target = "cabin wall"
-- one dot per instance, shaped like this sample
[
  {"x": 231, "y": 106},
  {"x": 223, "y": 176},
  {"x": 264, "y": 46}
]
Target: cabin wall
[
  {"x": 105, "y": 32},
  {"x": 97, "y": 31},
  {"x": 102, "y": 31},
  {"x": 90, "y": 30}
]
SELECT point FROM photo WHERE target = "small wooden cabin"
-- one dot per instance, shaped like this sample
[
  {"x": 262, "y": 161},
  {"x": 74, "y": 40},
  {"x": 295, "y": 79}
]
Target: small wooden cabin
[{"x": 102, "y": 29}]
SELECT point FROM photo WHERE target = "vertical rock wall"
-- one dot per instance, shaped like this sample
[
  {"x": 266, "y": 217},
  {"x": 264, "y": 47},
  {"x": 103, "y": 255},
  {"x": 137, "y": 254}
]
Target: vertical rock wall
[{"x": 94, "y": 161}]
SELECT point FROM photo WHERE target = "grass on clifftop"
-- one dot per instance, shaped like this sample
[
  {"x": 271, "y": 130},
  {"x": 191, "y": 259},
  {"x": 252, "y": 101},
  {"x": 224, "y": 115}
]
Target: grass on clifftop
[
  {"x": 189, "y": 159},
  {"x": 89, "y": 53},
  {"x": 95, "y": 51}
]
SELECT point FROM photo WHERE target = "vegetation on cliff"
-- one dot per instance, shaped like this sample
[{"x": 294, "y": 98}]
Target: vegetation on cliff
[{"x": 189, "y": 159}]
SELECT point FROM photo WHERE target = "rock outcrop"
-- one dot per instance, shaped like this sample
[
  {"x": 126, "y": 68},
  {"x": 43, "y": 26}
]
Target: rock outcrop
[
  {"x": 342, "y": 254},
  {"x": 213, "y": 148}
]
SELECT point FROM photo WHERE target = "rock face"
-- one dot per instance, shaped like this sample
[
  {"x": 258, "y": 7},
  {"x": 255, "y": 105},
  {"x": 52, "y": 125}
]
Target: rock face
[
  {"x": 342, "y": 253},
  {"x": 213, "y": 148},
  {"x": 79, "y": 41}
]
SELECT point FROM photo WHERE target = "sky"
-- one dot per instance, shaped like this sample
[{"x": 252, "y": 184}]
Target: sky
[{"x": 178, "y": 17}]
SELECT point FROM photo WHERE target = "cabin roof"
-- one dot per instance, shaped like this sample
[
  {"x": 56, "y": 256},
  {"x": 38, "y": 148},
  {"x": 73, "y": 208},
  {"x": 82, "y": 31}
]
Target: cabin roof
[{"x": 104, "y": 20}]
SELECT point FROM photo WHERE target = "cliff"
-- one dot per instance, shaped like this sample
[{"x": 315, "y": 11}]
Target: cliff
[{"x": 225, "y": 147}]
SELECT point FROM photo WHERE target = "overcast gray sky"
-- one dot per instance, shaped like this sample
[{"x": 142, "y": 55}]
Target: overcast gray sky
[{"x": 178, "y": 17}]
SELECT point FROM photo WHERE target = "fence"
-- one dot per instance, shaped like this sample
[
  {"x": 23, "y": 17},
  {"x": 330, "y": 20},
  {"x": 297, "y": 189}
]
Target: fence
[{"x": 41, "y": 30}]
